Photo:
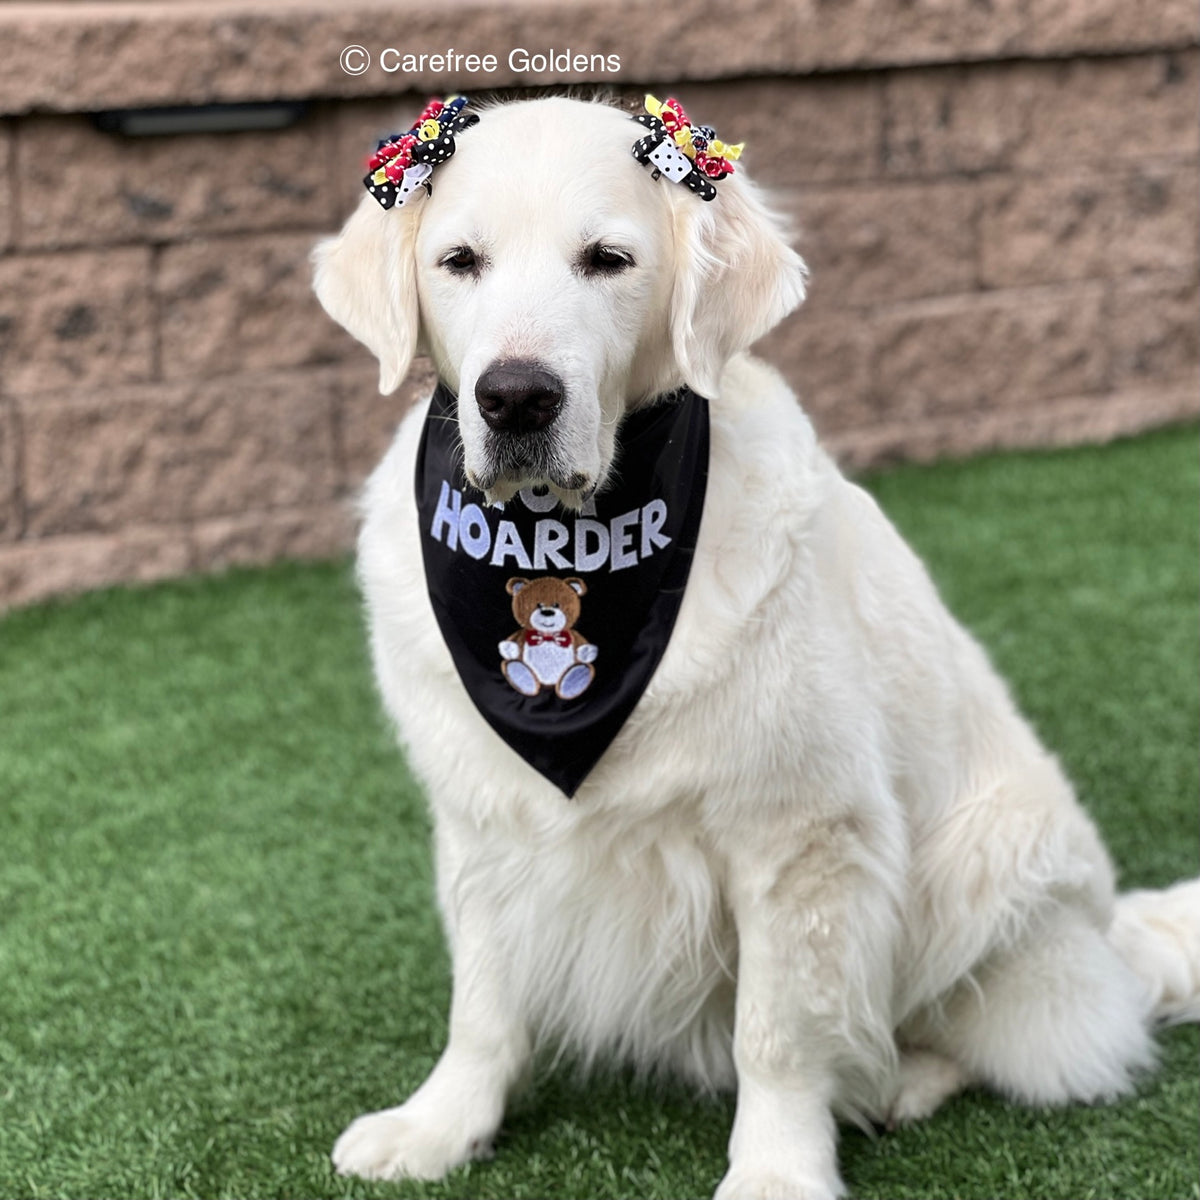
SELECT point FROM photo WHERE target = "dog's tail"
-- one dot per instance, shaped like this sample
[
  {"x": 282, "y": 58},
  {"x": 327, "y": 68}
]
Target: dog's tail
[{"x": 1158, "y": 934}]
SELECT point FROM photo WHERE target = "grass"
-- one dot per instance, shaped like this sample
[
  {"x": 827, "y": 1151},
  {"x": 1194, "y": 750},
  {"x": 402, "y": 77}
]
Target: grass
[{"x": 217, "y": 936}]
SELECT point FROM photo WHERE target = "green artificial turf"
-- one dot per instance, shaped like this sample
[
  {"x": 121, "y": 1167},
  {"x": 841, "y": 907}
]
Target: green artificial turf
[{"x": 217, "y": 937}]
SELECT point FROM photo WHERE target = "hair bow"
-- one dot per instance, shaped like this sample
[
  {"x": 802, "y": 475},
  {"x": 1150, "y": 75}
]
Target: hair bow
[
  {"x": 403, "y": 162},
  {"x": 682, "y": 151}
]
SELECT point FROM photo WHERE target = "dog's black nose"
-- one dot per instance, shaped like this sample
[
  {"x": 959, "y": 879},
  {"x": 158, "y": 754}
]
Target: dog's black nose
[{"x": 518, "y": 396}]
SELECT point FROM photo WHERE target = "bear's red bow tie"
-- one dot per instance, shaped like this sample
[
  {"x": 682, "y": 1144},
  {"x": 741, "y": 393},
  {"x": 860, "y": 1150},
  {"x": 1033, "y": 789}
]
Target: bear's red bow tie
[{"x": 562, "y": 638}]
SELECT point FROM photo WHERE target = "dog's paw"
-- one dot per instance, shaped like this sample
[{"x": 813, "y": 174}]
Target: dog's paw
[
  {"x": 926, "y": 1080},
  {"x": 749, "y": 1184},
  {"x": 398, "y": 1143}
]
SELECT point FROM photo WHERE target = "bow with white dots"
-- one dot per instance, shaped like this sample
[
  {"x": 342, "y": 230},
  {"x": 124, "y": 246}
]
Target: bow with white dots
[
  {"x": 682, "y": 151},
  {"x": 403, "y": 162}
]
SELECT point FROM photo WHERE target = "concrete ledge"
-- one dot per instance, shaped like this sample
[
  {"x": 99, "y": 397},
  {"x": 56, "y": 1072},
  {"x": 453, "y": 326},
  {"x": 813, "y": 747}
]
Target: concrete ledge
[
  {"x": 1070, "y": 421},
  {"x": 76, "y": 57},
  {"x": 36, "y": 569}
]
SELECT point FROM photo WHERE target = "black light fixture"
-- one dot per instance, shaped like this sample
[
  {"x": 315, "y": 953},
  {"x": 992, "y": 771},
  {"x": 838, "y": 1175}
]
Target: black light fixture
[{"x": 203, "y": 118}]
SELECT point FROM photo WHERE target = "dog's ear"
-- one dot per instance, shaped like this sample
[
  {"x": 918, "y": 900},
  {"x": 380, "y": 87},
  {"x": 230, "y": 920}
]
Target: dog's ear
[
  {"x": 736, "y": 277},
  {"x": 365, "y": 278}
]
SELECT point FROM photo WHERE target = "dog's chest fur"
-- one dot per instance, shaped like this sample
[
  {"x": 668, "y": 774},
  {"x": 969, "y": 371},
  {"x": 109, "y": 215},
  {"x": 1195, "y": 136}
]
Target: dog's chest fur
[{"x": 616, "y": 939}]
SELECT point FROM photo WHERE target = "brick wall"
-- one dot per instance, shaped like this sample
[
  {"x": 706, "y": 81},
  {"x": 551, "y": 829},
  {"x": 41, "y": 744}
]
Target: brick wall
[{"x": 1003, "y": 253}]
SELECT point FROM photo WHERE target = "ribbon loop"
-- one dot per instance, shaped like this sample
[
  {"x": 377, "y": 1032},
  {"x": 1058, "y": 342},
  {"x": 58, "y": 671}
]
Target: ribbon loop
[
  {"x": 682, "y": 150},
  {"x": 403, "y": 162}
]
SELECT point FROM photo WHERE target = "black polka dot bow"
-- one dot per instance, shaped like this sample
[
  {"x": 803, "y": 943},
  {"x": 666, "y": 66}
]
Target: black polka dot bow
[
  {"x": 682, "y": 151},
  {"x": 403, "y": 162}
]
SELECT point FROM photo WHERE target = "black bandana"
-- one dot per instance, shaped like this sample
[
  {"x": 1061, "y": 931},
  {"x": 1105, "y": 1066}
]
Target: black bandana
[{"x": 557, "y": 620}]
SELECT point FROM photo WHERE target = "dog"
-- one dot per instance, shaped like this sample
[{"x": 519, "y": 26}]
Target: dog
[{"x": 824, "y": 861}]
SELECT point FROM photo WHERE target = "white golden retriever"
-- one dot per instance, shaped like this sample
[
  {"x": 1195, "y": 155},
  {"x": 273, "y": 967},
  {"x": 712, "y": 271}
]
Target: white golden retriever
[{"x": 826, "y": 862}]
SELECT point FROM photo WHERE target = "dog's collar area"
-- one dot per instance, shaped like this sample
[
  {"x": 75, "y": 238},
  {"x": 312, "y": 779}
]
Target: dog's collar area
[{"x": 682, "y": 150}]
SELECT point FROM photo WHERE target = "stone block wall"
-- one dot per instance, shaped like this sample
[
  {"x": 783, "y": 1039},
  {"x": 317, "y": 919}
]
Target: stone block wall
[{"x": 1001, "y": 218}]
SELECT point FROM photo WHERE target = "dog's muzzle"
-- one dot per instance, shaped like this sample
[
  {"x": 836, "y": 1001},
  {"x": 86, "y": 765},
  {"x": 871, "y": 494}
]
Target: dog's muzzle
[{"x": 520, "y": 402}]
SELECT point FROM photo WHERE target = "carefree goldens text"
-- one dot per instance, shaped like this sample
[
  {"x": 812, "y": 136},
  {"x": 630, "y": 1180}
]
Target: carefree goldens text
[{"x": 520, "y": 59}]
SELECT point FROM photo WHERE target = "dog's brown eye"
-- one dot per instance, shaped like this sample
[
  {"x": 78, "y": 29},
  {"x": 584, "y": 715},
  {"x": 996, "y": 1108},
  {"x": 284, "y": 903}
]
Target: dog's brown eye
[
  {"x": 461, "y": 261},
  {"x": 605, "y": 260}
]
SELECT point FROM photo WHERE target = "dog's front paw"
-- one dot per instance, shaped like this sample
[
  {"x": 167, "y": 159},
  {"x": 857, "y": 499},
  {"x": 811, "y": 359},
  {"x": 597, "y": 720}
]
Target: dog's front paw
[
  {"x": 750, "y": 1184},
  {"x": 399, "y": 1143}
]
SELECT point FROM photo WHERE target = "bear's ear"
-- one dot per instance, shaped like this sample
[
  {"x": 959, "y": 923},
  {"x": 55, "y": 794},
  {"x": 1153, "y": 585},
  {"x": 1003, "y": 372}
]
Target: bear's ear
[
  {"x": 513, "y": 586},
  {"x": 576, "y": 585}
]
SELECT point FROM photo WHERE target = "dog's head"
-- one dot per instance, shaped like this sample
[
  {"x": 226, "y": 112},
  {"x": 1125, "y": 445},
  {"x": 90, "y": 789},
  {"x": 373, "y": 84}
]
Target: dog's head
[{"x": 556, "y": 284}]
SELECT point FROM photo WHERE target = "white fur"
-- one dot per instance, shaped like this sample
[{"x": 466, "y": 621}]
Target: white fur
[
  {"x": 1158, "y": 934},
  {"x": 825, "y": 796}
]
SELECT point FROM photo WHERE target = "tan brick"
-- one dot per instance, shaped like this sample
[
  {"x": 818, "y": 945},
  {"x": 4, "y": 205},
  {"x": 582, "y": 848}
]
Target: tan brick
[
  {"x": 946, "y": 120},
  {"x": 1085, "y": 224},
  {"x": 6, "y": 185},
  {"x": 1111, "y": 109},
  {"x": 707, "y": 35},
  {"x": 827, "y": 359},
  {"x": 82, "y": 57},
  {"x": 975, "y": 353},
  {"x": 244, "y": 304},
  {"x": 820, "y": 128},
  {"x": 39, "y": 568},
  {"x": 367, "y": 421},
  {"x": 1153, "y": 331},
  {"x": 1057, "y": 26},
  {"x": 149, "y": 455},
  {"x": 877, "y": 245},
  {"x": 10, "y": 507},
  {"x": 35, "y": 569},
  {"x": 80, "y": 186},
  {"x": 261, "y": 537},
  {"x": 898, "y": 32},
  {"x": 1067, "y": 421},
  {"x": 75, "y": 320},
  {"x": 893, "y": 31},
  {"x": 987, "y": 116}
]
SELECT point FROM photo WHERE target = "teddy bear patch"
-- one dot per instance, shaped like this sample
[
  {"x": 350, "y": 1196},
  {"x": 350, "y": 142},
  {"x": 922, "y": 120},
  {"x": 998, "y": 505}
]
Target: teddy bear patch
[{"x": 547, "y": 651}]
